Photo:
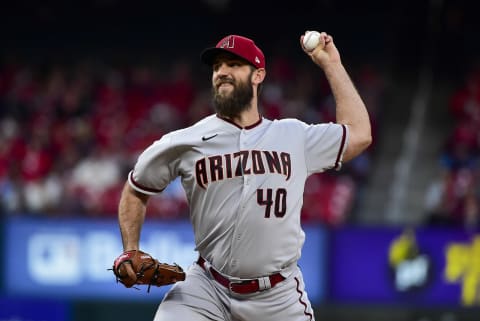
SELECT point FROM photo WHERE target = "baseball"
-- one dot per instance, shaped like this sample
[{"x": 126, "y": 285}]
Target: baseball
[{"x": 311, "y": 39}]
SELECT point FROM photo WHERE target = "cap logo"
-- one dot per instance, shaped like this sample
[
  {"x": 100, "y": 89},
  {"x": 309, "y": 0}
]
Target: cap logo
[
  {"x": 228, "y": 43},
  {"x": 257, "y": 60}
]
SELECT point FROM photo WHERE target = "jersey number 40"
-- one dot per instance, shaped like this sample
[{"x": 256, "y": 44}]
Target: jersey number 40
[{"x": 279, "y": 203}]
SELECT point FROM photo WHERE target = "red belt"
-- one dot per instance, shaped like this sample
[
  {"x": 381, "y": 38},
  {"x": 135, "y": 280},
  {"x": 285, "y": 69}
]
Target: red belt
[{"x": 244, "y": 286}]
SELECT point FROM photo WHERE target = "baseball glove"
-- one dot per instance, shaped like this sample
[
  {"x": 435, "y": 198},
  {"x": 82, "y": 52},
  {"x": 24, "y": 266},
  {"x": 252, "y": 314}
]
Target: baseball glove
[{"x": 137, "y": 267}]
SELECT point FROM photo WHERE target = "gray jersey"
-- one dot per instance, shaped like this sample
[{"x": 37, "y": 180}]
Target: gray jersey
[{"x": 244, "y": 186}]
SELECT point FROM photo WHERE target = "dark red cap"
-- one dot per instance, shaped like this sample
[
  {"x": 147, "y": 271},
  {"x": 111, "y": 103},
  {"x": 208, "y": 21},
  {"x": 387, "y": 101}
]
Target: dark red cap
[{"x": 239, "y": 46}]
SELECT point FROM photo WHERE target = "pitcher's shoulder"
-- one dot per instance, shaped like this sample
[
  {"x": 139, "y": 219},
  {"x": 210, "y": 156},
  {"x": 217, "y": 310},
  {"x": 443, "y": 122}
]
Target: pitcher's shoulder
[{"x": 289, "y": 123}]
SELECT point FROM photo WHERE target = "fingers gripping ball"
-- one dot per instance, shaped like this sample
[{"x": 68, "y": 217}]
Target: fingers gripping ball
[
  {"x": 136, "y": 268},
  {"x": 311, "y": 40}
]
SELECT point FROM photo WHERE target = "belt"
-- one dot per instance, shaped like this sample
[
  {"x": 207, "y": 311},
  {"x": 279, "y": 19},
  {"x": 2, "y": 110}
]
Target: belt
[{"x": 243, "y": 286}]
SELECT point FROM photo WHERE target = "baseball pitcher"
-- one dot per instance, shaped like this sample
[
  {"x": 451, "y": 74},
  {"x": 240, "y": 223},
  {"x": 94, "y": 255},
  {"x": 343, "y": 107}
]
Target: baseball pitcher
[{"x": 244, "y": 178}]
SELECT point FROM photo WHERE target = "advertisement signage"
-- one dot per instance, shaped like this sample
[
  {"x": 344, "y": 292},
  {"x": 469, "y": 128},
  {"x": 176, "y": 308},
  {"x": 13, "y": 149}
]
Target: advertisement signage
[
  {"x": 423, "y": 266},
  {"x": 22, "y": 309},
  {"x": 71, "y": 258}
]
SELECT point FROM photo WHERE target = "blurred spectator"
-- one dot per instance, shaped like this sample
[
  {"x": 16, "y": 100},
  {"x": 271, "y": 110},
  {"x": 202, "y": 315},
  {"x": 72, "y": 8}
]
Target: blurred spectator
[
  {"x": 92, "y": 176},
  {"x": 328, "y": 199},
  {"x": 465, "y": 102},
  {"x": 453, "y": 198},
  {"x": 462, "y": 147}
]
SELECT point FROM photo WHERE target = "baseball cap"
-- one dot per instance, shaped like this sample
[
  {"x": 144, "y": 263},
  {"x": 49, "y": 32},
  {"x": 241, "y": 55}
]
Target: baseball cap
[{"x": 239, "y": 46}]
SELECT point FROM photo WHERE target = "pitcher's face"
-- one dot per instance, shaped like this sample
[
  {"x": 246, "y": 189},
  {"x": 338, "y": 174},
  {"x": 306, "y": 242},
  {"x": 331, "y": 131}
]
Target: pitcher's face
[{"x": 231, "y": 86}]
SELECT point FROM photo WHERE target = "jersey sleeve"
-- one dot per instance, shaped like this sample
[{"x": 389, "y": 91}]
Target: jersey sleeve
[
  {"x": 324, "y": 146},
  {"x": 155, "y": 167}
]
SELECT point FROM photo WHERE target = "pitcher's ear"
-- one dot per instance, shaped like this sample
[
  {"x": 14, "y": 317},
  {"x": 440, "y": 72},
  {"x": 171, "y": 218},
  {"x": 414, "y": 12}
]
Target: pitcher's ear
[{"x": 259, "y": 75}]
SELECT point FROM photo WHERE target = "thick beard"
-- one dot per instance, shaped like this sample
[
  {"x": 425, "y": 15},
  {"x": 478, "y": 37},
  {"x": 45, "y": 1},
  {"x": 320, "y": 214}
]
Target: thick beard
[{"x": 234, "y": 103}]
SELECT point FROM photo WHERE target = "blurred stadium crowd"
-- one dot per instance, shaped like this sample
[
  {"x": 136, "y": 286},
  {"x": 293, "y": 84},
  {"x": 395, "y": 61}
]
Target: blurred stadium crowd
[
  {"x": 454, "y": 198},
  {"x": 69, "y": 133}
]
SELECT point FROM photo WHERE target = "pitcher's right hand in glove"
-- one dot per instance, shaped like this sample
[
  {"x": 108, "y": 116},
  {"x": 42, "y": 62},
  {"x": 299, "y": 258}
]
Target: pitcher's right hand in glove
[{"x": 137, "y": 267}]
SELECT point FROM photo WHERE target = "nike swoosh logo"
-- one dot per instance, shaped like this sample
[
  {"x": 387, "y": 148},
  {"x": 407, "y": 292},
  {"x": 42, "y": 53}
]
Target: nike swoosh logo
[{"x": 204, "y": 138}]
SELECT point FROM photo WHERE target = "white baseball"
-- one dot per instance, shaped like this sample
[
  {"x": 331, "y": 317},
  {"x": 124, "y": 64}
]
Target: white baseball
[{"x": 311, "y": 39}]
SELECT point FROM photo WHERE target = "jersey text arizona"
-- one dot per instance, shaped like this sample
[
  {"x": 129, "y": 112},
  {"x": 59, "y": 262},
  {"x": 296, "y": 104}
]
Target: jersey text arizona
[{"x": 244, "y": 162}]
